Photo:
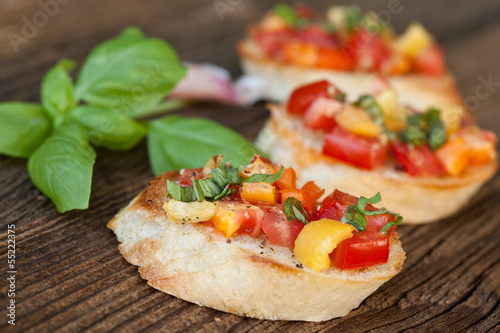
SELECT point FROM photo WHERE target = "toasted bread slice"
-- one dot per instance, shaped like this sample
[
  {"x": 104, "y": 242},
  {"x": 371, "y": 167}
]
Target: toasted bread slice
[
  {"x": 417, "y": 91},
  {"x": 419, "y": 200},
  {"x": 243, "y": 275}
]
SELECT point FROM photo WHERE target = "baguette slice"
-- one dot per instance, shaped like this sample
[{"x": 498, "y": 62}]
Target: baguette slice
[
  {"x": 419, "y": 200},
  {"x": 243, "y": 275},
  {"x": 417, "y": 91}
]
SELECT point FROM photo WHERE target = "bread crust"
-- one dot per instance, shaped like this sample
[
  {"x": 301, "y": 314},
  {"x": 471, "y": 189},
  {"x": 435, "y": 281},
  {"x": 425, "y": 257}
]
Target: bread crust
[
  {"x": 417, "y": 91},
  {"x": 418, "y": 200},
  {"x": 243, "y": 275}
]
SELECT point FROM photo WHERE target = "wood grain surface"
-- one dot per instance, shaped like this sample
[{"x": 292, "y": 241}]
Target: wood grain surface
[{"x": 70, "y": 275}]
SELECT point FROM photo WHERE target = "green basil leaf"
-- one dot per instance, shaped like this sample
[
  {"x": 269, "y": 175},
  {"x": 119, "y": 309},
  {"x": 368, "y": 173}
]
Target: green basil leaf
[
  {"x": 353, "y": 17},
  {"x": 368, "y": 103},
  {"x": 293, "y": 209},
  {"x": 24, "y": 127},
  {"x": 225, "y": 193},
  {"x": 436, "y": 131},
  {"x": 414, "y": 133},
  {"x": 109, "y": 128},
  {"x": 198, "y": 191},
  {"x": 62, "y": 168},
  {"x": 57, "y": 93},
  {"x": 210, "y": 188},
  {"x": 287, "y": 13},
  {"x": 180, "y": 193},
  {"x": 390, "y": 224},
  {"x": 129, "y": 73},
  {"x": 257, "y": 178},
  {"x": 225, "y": 175},
  {"x": 176, "y": 142}
]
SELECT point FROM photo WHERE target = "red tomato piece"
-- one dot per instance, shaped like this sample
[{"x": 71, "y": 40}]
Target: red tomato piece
[
  {"x": 288, "y": 180},
  {"x": 304, "y": 96},
  {"x": 319, "y": 115},
  {"x": 417, "y": 161},
  {"x": 274, "y": 41},
  {"x": 334, "y": 206},
  {"x": 363, "y": 152},
  {"x": 365, "y": 249},
  {"x": 314, "y": 190},
  {"x": 280, "y": 231},
  {"x": 334, "y": 59},
  {"x": 303, "y": 196},
  {"x": 368, "y": 50},
  {"x": 188, "y": 175},
  {"x": 251, "y": 221},
  {"x": 318, "y": 36},
  {"x": 430, "y": 62}
]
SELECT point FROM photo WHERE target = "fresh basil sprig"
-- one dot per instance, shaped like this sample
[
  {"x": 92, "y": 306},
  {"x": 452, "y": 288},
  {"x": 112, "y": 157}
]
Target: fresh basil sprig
[
  {"x": 122, "y": 80},
  {"x": 355, "y": 215},
  {"x": 293, "y": 209}
]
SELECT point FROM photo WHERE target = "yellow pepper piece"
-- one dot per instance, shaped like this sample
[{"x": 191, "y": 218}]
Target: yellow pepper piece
[
  {"x": 225, "y": 221},
  {"x": 414, "y": 40},
  {"x": 259, "y": 192},
  {"x": 454, "y": 155},
  {"x": 318, "y": 239},
  {"x": 394, "y": 114},
  {"x": 358, "y": 121},
  {"x": 451, "y": 116}
]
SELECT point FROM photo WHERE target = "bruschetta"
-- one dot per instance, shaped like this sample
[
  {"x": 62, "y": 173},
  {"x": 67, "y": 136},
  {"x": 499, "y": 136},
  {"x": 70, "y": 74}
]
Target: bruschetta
[
  {"x": 427, "y": 164},
  {"x": 249, "y": 242},
  {"x": 294, "y": 46}
]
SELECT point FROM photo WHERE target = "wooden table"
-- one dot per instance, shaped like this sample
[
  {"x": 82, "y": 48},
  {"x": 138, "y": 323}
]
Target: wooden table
[{"x": 71, "y": 276}]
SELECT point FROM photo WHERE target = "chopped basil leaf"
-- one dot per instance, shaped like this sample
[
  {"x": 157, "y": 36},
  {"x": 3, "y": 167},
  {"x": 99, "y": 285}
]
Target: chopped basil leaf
[
  {"x": 414, "y": 133},
  {"x": 356, "y": 215},
  {"x": 436, "y": 131},
  {"x": 287, "y": 13},
  {"x": 390, "y": 224},
  {"x": 180, "y": 193},
  {"x": 340, "y": 96},
  {"x": 368, "y": 103},
  {"x": 433, "y": 133},
  {"x": 262, "y": 177},
  {"x": 224, "y": 175},
  {"x": 353, "y": 16},
  {"x": 198, "y": 190},
  {"x": 294, "y": 210},
  {"x": 210, "y": 187}
]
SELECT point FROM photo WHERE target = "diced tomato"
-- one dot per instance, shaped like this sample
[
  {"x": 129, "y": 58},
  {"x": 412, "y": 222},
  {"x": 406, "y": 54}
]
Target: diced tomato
[
  {"x": 304, "y": 96},
  {"x": 251, "y": 222},
  {"x": 288, "y": 180},
  {"x": 365, "y": 249},
  {"x": 314, "y": 190},
  {"x": 368, "y": 50},
  {"x": 363, "y": 152},
  {"x": 319, "y": 115},
  {"x": 333, "y": 58},
  {"x": 334, "y": 206},
  {"x": 274, "y": 41},
  {"x": 188, "y": 175},
  {"x": 430, "y": 62},
  {"x": 280, "y": 231},
  {"x": 318, "y": 36},
  {"x": 303, "y": 196},
  {"x": 417, "y": 161}
]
